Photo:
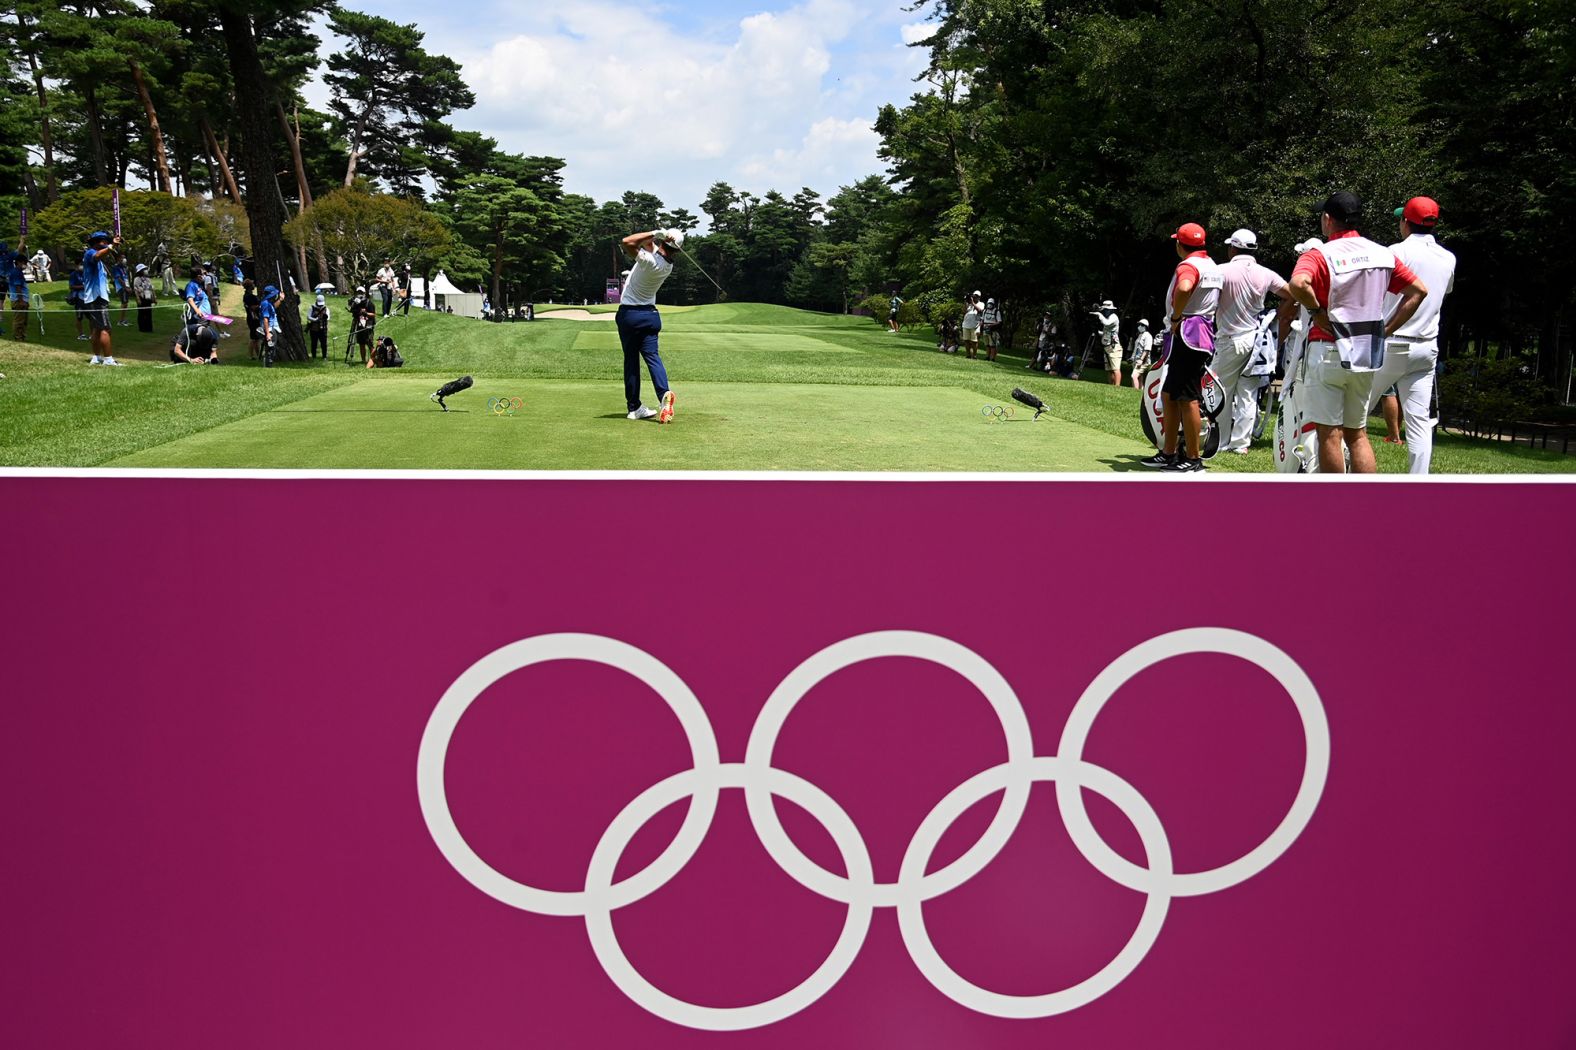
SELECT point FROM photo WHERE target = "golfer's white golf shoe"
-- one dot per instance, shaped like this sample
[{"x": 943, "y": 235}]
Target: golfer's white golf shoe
[{"x": 642, "y": 413}]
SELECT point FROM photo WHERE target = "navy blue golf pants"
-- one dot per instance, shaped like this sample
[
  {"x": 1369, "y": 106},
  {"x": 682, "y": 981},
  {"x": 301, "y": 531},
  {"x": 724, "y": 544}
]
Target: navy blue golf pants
[{"x": 638, "y": 328}]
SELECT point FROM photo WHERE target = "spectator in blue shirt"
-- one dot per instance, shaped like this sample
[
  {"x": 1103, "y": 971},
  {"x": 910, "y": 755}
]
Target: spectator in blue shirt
[
  {"x": 16, "y": 284},
  {"x": 268, "y": 311},
  {"x": 197, "y": 305},
  {"x": 95, "y": 294}
]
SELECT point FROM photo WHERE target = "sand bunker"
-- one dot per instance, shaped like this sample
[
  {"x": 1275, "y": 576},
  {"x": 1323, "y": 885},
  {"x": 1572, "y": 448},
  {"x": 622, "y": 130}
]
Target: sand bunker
[{"x": 572, "y": 315}]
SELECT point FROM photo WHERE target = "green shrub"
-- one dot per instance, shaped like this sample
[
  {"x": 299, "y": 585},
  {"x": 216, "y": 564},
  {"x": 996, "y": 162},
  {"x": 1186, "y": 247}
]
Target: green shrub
[{"x": 1484, "y": 396}]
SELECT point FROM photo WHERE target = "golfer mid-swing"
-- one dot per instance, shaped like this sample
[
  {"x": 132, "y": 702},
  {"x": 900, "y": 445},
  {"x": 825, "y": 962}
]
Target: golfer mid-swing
[{"x": 639, "y": 324}]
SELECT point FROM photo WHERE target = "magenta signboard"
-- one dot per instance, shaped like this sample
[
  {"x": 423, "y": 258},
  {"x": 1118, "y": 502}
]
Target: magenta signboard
[{"x": 786, "y": 764}]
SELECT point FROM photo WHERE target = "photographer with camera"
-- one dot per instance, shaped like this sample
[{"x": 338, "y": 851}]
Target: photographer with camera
[
  {"x": 386, "y": 355},
  {"x": 363, "y": 321},
  {"x": 196, "y": 344},
  {"x": 1110, "y": 340}
]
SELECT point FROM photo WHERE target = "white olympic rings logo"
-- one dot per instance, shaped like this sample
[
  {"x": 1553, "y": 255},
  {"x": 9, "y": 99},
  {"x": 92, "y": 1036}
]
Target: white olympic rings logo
[{"x": 858, "y": 890}]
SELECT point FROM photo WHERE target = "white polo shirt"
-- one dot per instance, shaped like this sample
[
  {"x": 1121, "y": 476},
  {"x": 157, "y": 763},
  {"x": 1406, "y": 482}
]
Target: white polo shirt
[
  {"x": 1436, "y": 268},
  {"x": 645, "y": 279},
  {"x": 1242, "y": 296}
]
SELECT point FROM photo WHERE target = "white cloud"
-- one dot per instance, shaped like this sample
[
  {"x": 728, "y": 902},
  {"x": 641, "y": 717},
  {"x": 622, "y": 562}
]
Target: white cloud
[
  {"x": 914, "y": 32},
  {"x": 774, "y": 98}
]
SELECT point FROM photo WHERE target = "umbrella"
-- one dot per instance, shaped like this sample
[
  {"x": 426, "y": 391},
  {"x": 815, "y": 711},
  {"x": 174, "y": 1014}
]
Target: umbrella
[{"x": 325, "y": 287}]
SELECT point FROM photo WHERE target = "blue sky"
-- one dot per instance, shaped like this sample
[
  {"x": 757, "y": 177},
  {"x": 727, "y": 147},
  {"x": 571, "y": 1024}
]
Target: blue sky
[{"x": 670, "y": 98}]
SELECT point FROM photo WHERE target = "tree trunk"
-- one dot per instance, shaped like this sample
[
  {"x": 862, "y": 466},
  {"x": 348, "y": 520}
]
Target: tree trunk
[
  {"x": 265, "y": 207},
  {"x": 303, "y": 189},
  {"x": 356, "y": 140},
  {"x": 217, "y": 151},
  {"x": 160, "y": 157},
  {"x": 95, "y": 135},
  {"x": 497, "y": 274},
  {"x": 46, "y": 135}
]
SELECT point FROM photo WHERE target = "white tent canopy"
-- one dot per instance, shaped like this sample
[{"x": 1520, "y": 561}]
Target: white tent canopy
[
  {"x": 446, "y": 295},
  {"x": 441, "y": 285}
]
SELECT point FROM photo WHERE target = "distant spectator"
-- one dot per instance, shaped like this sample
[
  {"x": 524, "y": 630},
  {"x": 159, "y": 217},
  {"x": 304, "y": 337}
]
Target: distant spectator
[
  {"x": 122, "y": 288},
  {"x": 96, "y": 292},
  {"x": 268, "y": 310},
  {"x": 1110, "y": 340},
  {"x": 990, "y": 328},
  {"x": 947, "y": 337},
  {"x": 74, "y": 298},
  {"x": 1045, "y": 338},
  {"x": 195, "y": 296},
  {"x": 404, "y": 290},
  {"x": 973, "y": 307},
  {"x": 892, "y": 310},
  {"x": 317, "y": 322},
  {"x": 252, "y": 303},
  {"x": 385, "y": 285},
  {"x": 16, "y": 288},
  {"x": 1143, "y": 353},
  {"x": 142, "y": 288},
  {"x": 363, "y": 321},
  {"x": 386, "y": 355},
  {"x": 196, "y": 344},
  {"x": 41, "y": 265}
]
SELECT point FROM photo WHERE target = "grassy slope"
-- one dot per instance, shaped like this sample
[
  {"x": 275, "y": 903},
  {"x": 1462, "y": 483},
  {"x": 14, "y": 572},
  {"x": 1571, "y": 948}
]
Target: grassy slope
[{"x": 762, "y": 387}]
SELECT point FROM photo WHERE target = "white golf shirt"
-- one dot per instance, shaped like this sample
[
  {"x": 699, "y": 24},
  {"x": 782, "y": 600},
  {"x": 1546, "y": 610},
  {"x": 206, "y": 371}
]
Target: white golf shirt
[
  {"x": 971, "y": 316},
  {"x": 386, "y": 277},
  {"x": 1436, "y": 268},
  {"x": 645, "y": 279},
  {"x": 1246, "y": 285}
]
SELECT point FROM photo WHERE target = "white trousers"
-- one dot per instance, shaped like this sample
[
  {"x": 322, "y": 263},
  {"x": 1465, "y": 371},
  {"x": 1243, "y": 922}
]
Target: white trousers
[
  {"x": 1236, "y": 420},
  {"x": 1409, "y": 366}
]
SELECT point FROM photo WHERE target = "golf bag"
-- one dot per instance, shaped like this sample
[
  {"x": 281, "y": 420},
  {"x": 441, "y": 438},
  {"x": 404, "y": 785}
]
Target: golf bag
[{"x": 1151, "y": 408}]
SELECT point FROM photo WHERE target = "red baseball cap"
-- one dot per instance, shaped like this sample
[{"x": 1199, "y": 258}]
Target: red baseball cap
[
  {"x": 1190, "y": 234},
  {"x": 1419, "y": 211}
]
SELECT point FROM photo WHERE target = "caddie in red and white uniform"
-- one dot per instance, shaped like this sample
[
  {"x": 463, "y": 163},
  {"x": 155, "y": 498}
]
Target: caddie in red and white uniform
[
  {"x": 1413, "y": 351},
  {"x": 1343, "y": 284},
  {"x": 1191, "y": 298},
  {"x": 1245, "y": 284}
]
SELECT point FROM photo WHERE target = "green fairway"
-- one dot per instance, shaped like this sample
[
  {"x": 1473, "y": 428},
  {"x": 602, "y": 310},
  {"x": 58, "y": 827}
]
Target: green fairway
[
  {"x": 728, "y": 426},
  {"x": 759, "y": 387}
]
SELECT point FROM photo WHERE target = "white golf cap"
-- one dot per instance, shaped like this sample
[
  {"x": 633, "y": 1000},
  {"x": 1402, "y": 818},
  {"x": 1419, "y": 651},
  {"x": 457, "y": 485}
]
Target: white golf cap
[
  {"x": 1142, "y": 323},
  {"x": 676, "y": 238},
  {"x": 978, "y": 294},
  {"x": 1108, "y": 305},
  {"x": 320, "y": 300},
  {"x": 990, "y": 302},
  {"x": 1307, "y": 245},
  {"x": 1245, "y": 239}
]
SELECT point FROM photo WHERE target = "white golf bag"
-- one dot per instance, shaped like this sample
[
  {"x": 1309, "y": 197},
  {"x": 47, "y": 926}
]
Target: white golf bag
[{"x": 1151, "y": 408}]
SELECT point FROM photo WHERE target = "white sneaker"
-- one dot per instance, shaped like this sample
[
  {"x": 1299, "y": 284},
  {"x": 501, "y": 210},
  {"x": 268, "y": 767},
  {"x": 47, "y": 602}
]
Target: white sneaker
[
  {"x": 113, "y": 363},
  {"x": 82, "y": 338},
  {"x": 642, "y": 413}
]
